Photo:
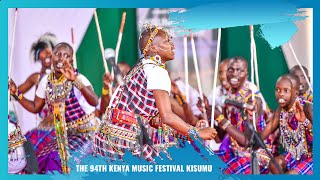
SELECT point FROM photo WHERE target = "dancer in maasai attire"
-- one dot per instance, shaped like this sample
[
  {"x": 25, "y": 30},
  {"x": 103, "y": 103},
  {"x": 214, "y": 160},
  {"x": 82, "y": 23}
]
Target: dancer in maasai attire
[
  {"x": 72, "y": 102},
  {"x": 144, "y": 99},
  {"x": 295, "y": 123},
  {"x": 41, "y": 50},
  {"x": 237, "y": 157}
]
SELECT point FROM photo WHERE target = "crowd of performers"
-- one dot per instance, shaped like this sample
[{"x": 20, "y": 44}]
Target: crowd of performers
[{"x": 149, "y": 112}]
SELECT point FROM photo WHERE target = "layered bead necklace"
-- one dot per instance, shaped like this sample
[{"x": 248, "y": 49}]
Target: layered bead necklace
[
  {"x": 293, "y": 137},
  {"x": 57, "y": 88}
]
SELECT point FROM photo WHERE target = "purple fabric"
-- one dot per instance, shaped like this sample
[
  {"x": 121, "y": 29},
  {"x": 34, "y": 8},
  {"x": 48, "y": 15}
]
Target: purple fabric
[
  {"x": 49, "y": 163},
  {"x": 225, "y": 144}
]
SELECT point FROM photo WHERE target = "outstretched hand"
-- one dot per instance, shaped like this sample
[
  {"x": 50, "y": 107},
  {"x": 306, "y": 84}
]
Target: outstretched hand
[
  {"x": 298, "y": 112},
  {"x": 12, "y": 87},
  {"x": 68, "y": 71},
  {"x": 207, "y": 133}
]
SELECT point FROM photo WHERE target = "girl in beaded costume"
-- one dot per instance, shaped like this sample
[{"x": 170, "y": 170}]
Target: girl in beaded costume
[
  {"x": 72, "y": 102},
  {"x": 143, "y": 101},
  {"x": 41, "y": 50},
  {"x": 295, "y": 123},
  {"x": 295, "y": 127}
]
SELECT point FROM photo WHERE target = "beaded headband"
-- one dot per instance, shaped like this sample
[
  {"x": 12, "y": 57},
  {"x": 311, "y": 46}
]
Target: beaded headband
[
  {"x": 148, "y": 27},
  {"x": 152, "y": 35}
]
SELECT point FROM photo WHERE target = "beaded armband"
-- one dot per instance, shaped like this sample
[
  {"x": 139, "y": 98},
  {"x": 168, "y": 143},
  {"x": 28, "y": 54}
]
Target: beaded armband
[
  {"x": 194, "y": 132},
  {"x": 180, "y": 98},
  {"x": 105, "y": 91},
  {"x": 78, "y": 83},
  {"x": 220, "y": 118},
  {"x": 225, "y": 125},
  {"x": 306, "y": 122},
  {"x": 18, "y": 95}
]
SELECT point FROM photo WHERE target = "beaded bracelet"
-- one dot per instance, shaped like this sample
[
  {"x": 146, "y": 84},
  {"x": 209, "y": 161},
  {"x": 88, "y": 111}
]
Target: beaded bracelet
[
  {"x": 220, "y": 118},
  {"x": 78, "y": 83},
  {"x": 193, "y": 131},
  {"x": 306, "y": 122},
  {"x": 105, "y": 91},
  {"x": 18, "y": 95},
  {"x": 180, "y": 98},
  {"x": 225, "y": 125}
]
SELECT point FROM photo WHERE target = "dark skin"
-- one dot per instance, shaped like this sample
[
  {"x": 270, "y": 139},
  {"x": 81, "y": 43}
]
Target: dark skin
[
  {"x": 286, "y": 90},
  {"x": 33, "y": 78},
  {"x": 44, "y": 56},
  {"x": 237, "y": 74},
  {"x": 223, "y": 66},
  {"x": 61, "y": 54},
  {"x": 124, "y": 68},
  {"x": 163, "y": 46},
  {"x": 183, "y": 111},
  {"x": 105, "y": 99},
  {"x": 303, "y": 81}
]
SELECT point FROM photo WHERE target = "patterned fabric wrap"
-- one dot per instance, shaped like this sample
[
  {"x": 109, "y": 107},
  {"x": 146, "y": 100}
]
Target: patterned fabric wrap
[
  {"x": 302, "y": 166},
  {"x": 40, "y": 138},
  {"x": 81, "y": 127},
  {"x": 49, "y": 159},
  {"x": 133, "y": 97},
  {"x": 237, "y": 164}
]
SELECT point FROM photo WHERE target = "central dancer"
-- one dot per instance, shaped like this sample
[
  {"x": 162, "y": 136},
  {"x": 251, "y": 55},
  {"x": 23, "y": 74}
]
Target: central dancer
[{"x": 142, "y": 101}]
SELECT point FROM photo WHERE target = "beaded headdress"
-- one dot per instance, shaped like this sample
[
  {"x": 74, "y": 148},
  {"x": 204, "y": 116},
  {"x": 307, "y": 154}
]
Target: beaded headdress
[{"x": 153, "y": 29}]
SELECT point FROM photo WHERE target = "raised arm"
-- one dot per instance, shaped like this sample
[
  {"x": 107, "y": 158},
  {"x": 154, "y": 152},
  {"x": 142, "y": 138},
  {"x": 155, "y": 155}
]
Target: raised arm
[
  {"x": 105, "y": 97},
  {"x": 27, "y": 85},
  {"x": 272, "y": 125},
  {"x": 87, "y": 92},
  {"x": 34, "y": 106},
  {"x": 82, "y": 83}
]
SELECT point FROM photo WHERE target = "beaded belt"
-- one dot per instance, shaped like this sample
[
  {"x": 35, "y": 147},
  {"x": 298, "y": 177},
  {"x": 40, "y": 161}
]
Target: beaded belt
[
  {"x": 83, "y": 120},
  {"x": 117, "y": 132},
  {"x": 15, "y": 138},
  {"x": 123, "y": 117}
]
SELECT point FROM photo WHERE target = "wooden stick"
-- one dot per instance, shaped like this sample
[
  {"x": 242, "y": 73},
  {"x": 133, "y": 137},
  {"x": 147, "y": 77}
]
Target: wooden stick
[
  {"x": 186, "y": 69},
  {"x": 74, "y": 51},
  {"x": 252, "y": 74},
  {"x": 304, "y": 73},
  {"x": 12, "y": 41},
  {"x": 195, "y": 60},
  {"x": 255, "y": 60},
  {"x": 11, "y": 52},
  {"x": 123, "y": 20},
  {"x": 101, "y": 42},
  {"x": 216, "y": 69}
]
